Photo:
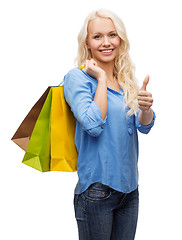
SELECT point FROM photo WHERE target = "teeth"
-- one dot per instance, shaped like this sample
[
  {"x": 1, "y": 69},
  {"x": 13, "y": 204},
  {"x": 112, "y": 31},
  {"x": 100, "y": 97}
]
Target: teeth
[{"x": 106, "y": 51}]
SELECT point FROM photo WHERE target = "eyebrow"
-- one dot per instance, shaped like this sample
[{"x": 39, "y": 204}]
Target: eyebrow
[{"x": 101, "y": 33}]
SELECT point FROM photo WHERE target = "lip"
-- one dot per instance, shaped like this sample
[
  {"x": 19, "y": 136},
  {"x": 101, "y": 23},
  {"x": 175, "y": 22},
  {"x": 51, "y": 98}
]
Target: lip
[{"x": 106, "y": 51}]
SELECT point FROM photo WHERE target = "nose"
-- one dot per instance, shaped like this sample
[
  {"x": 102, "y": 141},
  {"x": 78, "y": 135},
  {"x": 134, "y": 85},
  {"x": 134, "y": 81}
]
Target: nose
[{"x": 106, "y": 42}]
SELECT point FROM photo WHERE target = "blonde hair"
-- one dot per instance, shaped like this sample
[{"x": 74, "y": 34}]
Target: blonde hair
[{"x": 123, "y": 67}]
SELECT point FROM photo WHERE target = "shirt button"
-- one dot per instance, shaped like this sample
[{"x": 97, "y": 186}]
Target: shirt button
[{"x": 130, "y": 130}]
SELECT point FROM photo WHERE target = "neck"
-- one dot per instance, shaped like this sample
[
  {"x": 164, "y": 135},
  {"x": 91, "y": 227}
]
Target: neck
[{"x": 108, "y": 69}]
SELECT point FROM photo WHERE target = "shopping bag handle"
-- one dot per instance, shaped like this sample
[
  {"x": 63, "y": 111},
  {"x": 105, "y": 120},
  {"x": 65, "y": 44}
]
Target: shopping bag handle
[{"x": 61, "y": 83}]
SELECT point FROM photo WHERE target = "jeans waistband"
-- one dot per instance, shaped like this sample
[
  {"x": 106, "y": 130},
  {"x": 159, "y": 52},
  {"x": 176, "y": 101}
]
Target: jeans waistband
[{"x": 99, "y": 185}]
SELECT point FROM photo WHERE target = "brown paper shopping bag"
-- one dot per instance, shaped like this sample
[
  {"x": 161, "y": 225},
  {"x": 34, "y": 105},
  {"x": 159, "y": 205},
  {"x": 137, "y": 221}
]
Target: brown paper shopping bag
[{"x": 23, "y": 133}]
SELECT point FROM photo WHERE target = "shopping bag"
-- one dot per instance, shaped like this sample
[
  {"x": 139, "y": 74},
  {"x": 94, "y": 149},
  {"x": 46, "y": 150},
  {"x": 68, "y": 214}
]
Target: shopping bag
[
  {"x": 63, "y": 150},
  {"x": 38, "y": 151},
  {"x": 24, "y": 132}
]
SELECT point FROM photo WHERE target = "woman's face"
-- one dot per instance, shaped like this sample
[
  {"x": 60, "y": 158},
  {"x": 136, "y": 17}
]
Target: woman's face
[{"x": 103, "y": 40}]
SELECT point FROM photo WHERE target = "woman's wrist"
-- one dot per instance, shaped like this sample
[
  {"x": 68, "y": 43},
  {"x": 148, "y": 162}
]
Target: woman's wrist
[
  {"x": 146, "y": 116},
  {"x": 102, "y": 78}
]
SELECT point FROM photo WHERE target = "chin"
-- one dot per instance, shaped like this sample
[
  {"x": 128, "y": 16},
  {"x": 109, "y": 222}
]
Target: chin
[{"x": 106, "y": 59}]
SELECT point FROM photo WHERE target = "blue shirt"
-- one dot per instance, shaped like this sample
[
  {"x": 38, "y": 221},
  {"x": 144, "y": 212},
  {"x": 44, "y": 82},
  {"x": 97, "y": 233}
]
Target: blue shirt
[{"x": 107, "y": 150}]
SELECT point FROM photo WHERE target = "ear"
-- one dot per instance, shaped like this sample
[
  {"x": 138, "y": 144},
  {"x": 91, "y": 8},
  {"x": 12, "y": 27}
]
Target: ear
[{"x": 87, "y": 44}]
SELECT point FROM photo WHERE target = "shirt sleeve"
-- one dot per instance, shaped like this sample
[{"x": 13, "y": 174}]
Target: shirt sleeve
[
  {"x": 78, "y": 95},
  {"x": 144, "y": 128}
]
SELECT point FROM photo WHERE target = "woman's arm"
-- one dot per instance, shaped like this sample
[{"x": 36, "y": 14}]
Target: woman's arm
[
  {"x": 101, "y": 96},
  {"x": 79, "y": 96},
  {"x": 101, "y": 92}
]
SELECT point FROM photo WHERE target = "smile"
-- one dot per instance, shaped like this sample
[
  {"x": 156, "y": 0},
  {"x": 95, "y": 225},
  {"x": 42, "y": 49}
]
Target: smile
[{"x": 107, "y": 50}]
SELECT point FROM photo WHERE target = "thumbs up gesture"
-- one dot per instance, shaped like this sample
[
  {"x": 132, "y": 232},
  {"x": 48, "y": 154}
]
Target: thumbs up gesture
[{"x": 145, "y": 99}]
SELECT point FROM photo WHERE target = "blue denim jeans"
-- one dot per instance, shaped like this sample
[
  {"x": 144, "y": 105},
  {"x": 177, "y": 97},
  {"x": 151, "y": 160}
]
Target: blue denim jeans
[{"x": 103, "y": 213}]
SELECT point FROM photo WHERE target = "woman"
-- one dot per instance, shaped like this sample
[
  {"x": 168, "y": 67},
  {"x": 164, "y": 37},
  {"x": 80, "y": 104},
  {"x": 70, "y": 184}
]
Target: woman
[{"x": 109, "y": 109}]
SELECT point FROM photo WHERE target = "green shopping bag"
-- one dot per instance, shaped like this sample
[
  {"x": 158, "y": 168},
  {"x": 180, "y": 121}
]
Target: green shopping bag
[{"x": 38, "y": 151}]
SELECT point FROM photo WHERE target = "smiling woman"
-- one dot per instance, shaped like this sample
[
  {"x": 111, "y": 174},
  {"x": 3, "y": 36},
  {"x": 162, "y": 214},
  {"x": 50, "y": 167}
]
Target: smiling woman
[{"x": 104, "y": 99}]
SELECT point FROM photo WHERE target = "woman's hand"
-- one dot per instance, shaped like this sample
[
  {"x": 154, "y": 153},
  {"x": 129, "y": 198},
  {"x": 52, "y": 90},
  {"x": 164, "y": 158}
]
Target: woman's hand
[
  {"x": 145, "y": 101},
  {"x": 94, "y": 71}
]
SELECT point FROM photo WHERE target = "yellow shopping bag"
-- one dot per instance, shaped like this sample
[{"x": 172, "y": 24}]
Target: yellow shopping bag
[{"x": 63, "y": 151}]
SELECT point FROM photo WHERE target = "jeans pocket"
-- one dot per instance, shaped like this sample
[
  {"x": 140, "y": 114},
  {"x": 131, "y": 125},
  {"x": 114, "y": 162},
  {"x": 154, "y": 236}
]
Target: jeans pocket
[
  {"x": 75, "y": 201},
  {"x": 79, "y": 206},
  {"x": 97, "y": 192}
]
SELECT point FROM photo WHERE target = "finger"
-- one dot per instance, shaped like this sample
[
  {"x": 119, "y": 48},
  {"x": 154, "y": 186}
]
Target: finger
[
  {"x": 144, "y": 93},
  {"x": 87, "y": 66},
  {"x": 143, "y": 98},
  {"x": 92, "y": 61},
  {"x": 144, "y": 104},
  {"x": 90, "y": 64},
  {"x": 86, "y": 63},
  {"x": 144, "y": 108},
  {"x": 145, "y": 82}
]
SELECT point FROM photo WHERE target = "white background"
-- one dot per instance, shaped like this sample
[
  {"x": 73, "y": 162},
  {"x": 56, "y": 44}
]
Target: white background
[{"x": 38, "y": 45}]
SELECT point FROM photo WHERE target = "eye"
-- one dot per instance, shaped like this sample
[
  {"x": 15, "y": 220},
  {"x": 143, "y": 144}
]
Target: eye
[
  {"x": 97, "y": 36},
  {"x": 113, "y": 35}
]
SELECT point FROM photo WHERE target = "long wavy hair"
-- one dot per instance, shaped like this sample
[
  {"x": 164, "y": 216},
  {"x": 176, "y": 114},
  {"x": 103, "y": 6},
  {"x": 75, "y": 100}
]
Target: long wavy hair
[{"x": 123, "y": 67}]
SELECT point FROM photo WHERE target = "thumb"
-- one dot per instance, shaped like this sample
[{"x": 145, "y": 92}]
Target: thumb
[{"x": 145, "y": 82}]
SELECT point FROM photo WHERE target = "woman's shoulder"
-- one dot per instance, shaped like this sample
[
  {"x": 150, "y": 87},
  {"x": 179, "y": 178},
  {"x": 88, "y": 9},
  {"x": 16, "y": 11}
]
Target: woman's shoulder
[
  {"x": 79, "y": 74},
  {"x": 74, "y": 72}
]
